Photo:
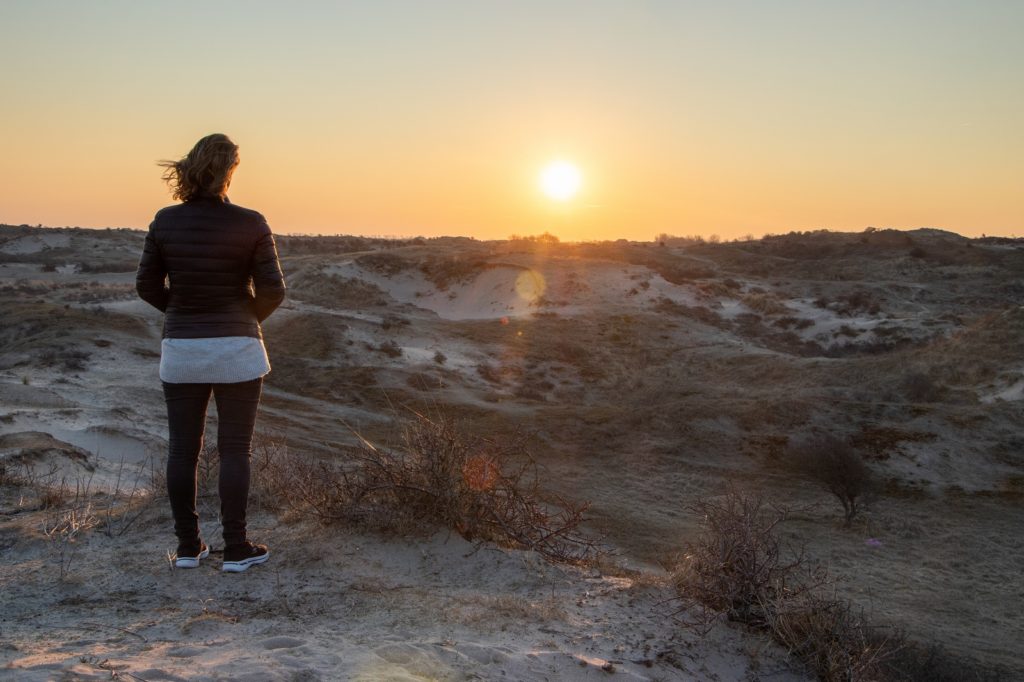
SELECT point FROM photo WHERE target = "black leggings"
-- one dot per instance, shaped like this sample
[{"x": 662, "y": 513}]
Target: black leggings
[{"x": 186, "y": 417}]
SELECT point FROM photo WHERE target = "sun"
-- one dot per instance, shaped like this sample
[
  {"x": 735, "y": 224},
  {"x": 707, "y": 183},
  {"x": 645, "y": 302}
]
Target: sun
[{"x": 560, "y": 180}]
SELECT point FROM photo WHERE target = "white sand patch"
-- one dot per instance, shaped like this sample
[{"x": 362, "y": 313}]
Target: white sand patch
[
  {"x": 462, "y": 357},
  {"x": 39, "y": 240},
  {"x": 501, "y": 291},
  {"x": 112, "y": 443},
  {"x": 418, "y": 354},
  {"x": 77, "y": 450},
  {"x": 1011, "y": 388},
  {"x": 661, "y": 288},
  {"x": 521, "y": 289},
  {"x": 730, "y": 308},
  {"x": 827, "y": 327}
]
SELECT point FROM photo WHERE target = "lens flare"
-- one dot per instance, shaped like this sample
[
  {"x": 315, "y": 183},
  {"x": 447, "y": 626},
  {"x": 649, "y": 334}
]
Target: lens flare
[{"x": 530, "y": 285}]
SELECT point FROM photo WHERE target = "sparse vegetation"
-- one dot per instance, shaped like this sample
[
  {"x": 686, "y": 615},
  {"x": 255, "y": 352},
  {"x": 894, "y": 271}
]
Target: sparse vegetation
[
  {"x": 737, "y": 568},
  {"x": 385, "y": 263},
  {"x": 443, "y": 271},
  {"x": 335, "y": 291},
  {"x": 765, "y": 304},
  {"x": 436, "y": 475}
]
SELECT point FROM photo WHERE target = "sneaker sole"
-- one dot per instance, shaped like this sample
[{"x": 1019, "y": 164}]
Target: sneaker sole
[
  {"x": 191, "y": 561},
  {"x": 239, "y": 566}
]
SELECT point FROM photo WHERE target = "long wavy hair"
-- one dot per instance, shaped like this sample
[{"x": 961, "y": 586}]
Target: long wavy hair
[{"x": 204, "y": 171}]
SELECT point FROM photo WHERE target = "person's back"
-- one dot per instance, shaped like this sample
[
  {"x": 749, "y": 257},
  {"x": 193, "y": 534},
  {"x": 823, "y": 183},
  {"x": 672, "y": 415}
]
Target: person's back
[
  {"x": 221, "y": 263},
  {"x": 213, "y": 269}
]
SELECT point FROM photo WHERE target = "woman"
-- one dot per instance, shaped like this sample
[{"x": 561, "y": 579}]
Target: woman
[{"x": 223, "y": 279}]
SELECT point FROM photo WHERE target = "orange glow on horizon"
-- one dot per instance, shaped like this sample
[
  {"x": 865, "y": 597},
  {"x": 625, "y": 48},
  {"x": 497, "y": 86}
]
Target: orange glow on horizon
[{"x": 679, "y": 118}]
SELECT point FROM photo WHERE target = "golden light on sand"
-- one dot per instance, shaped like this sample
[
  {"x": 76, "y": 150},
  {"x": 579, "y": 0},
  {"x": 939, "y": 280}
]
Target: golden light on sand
[{"x": 561, "y": 180}]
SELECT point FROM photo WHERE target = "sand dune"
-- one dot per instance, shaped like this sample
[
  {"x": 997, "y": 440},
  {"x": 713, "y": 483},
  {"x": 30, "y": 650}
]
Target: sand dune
[{"x": 649, "y": 376}]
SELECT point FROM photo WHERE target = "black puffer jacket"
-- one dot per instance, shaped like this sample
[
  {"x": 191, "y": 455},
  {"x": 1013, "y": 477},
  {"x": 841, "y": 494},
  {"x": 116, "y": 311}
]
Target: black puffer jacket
[{"x": 222, "y": 266}]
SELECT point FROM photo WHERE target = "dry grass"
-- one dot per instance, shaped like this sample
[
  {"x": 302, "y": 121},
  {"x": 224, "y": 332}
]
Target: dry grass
[
  {"x": 765, "y": 304},
  {"x": 437, "y": 475},
  {"x": 333, "y": 291},
  {"x": 42, "y": 328},
  {"x": 303, "y": 335}
]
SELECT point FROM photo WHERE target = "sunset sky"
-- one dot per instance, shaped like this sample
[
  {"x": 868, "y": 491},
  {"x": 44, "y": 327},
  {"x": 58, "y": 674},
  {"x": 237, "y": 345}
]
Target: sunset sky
[{"x": 437, "y": 118}]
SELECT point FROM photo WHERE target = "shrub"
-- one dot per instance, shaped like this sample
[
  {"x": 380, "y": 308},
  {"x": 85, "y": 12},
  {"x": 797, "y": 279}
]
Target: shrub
[
  {"x": 437, "y": 475},
  {"x": 738, "y": 569},
  {"x": 836, "y": 466}
]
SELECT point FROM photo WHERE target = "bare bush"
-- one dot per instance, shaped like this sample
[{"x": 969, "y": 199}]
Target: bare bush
[
  {"x": 738, "y": 569},
  {"x": 436, "y": 475},
  {"x": 274, "y": 469},
  {"x": 129, "y": 499},
  {"x": 833, "y": 638},
  {"x": 836, "y": 466}
]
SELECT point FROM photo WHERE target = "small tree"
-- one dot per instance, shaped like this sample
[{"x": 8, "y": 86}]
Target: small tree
[{"x": 836, "y": 466}]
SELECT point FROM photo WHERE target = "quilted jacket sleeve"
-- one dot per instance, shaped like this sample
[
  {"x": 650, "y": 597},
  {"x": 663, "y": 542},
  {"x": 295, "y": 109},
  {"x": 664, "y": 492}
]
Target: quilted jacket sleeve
[
  {"x": 267, "y": 278},
  {"x": 150, "y": 279}
]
